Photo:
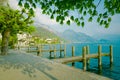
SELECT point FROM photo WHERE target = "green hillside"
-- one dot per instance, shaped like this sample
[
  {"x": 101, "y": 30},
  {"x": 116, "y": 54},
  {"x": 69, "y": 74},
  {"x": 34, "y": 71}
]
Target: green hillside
[{"x": 44, "y": 33}]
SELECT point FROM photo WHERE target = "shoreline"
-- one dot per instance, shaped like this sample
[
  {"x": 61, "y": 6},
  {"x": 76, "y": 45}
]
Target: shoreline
[{"x": 19, "y": 65}]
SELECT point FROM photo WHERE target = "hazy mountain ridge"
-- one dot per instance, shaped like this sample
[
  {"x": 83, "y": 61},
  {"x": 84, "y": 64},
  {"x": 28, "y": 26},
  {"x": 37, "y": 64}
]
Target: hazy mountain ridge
[
  {"x": 108, "y": 38},
  {"x": 72, "y": 36},
  {"x": 43, "y": 32}
]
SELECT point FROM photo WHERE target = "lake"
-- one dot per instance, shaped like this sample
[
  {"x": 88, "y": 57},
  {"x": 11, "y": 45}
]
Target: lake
[{"x": 111, "y": 72}]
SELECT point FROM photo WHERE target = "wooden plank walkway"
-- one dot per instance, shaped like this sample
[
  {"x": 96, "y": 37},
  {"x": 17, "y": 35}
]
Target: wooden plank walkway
[
  {"x": 86, "y": 56},
  {"x": 77, "y": 58}
]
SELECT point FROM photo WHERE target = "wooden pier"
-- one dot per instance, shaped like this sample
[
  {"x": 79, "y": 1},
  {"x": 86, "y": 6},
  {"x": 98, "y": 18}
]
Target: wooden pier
[
  {"x": 86, "y": 56},
  {"x": 51, "y": 49}
]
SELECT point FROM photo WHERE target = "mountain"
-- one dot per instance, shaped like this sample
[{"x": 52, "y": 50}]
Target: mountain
[
  {"x": 72, "y": 36},
  {"x": 44, "y": 33},
  {"x": 108, "y": 38}
]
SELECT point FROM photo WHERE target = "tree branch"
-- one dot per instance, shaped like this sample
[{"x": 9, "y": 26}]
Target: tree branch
[{"x": 98, "y": 3}]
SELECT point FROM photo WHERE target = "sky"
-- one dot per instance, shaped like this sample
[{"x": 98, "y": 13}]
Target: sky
[{"x": 90, "y": 28}]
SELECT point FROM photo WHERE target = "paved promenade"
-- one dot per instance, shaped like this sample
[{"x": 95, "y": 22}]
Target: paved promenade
[{"x": 18, "y": 65}]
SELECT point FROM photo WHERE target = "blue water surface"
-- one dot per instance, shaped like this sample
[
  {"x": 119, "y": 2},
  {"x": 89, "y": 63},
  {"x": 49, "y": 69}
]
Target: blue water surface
[{"x": 111, "y": 72}]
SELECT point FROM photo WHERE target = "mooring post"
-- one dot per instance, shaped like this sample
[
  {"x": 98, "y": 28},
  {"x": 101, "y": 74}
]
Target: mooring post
[
  {"x": 99, "y": 57},
  {"x": 111, "y": 55},
  {"x": 73, "y": 52},
  {"x": 64, "y": 50},
  {"x": 50, "y": 48},
  {"x": 28, "y": 48},
  {"x": 54, "y": 51},
  {"x": 87, "y": 53},
  {"x": 38, "y": 52},
  {"x": 60, "y": 50},
  {"x": 84, "y": 58}
]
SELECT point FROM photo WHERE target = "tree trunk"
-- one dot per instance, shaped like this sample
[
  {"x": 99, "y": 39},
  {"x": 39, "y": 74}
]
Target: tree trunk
[{"x": 5, "y": 41}]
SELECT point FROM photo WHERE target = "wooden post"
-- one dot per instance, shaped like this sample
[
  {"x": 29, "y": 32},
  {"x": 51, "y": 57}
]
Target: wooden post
[
  {"x": 28, "y": 48},
  {"x": 73, "y": 52},
  {"x": 39, "y": 50},
  {"x": 54, "y": 51},
  {"x": 60, "y": 50},
  {"x": 64, "y": 50},
  {"x": 111, "y": 55},
  {"x": 99, "y": 57},
  {"x": 87, "y": 53},
  {"x": 84, "y": 58},
  {"x": 50, "y": 48}
]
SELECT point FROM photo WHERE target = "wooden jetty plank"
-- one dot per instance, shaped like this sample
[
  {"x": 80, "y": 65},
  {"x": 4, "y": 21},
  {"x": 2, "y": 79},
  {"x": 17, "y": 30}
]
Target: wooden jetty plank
[
  {"x": 46, "y": 50},
  {"x": 77, "y": 58},
  {"x": 68, "y": 59}
]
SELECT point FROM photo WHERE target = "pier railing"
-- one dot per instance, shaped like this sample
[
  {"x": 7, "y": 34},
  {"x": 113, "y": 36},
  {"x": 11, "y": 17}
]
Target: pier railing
[{"x": 50, "y": 48}]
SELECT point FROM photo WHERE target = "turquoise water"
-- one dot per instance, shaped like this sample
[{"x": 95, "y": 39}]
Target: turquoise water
[{"x": 111, "y": 72}]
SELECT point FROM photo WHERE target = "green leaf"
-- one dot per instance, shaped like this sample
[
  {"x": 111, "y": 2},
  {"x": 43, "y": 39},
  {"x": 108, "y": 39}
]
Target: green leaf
[
  {"x": 36, "y": 1},
  {"x": 78, "y": 23},
  {"x": 109, "y": 19},
  {"x": 101, "y": 22},
  {"x": 48, "y": 13},
  {"x": 50, "y": 10},
  {"x": 43, "y": 12},
  {"x": 72, "y": 18},
  {"x": 76, "y": 20},
  {"x": 30, "y": 1},
  {"x": 26, "y": 5},
  {"x": 84, "y": 13},
  {"x": 68, "y": 22},
  {"x": 61, "y": 22},
  {"x": 23, "y": 10},
  {"x": 82, "y": 24},
  {"x": 98, "y": 19},
  {"x": 100, "y": 15},
  {"x": 82, "y": 18},
  {"x": 20, "y": 3},
  {"x": 95, "y": 13},
  {"x": 105, "y": 22},
  {"x": 62, "y": 18},
  {"x": 107, "y": 25},
  {"x": 112, "y": 12},
  {"x": 80, "y": 10},
  {"x": 31, "y": 11},
  {"x": 66, "y": 13},
  {"x": 57, "y": 18},
  {"x": 90, "y": 11},
  {"x": 34, "y": 5},
  {"x": 90, "y": 19},
  {"x": 52, "y": 17},
  {"x": 105, "y": 14}
]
